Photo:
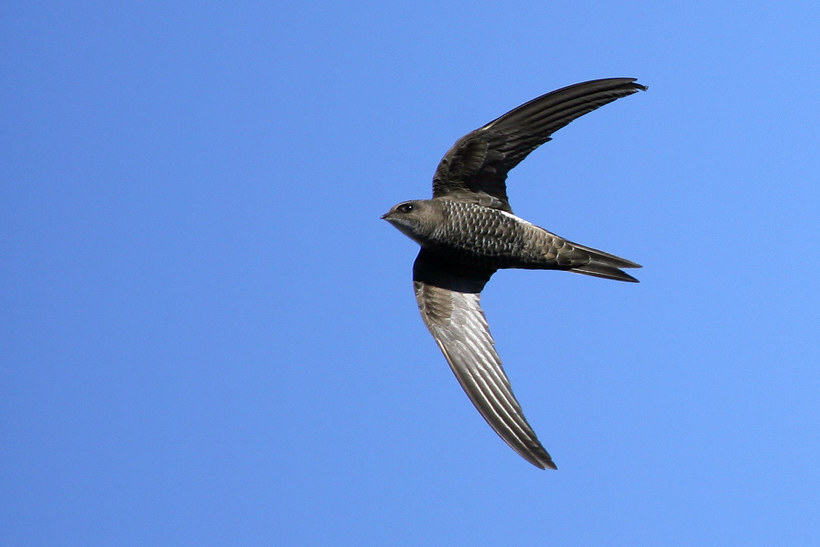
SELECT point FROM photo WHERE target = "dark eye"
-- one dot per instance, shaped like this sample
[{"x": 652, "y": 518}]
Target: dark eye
[{"x": 406, "y": 207}]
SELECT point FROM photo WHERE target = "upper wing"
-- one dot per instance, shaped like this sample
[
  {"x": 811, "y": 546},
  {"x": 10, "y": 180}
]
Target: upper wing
[
  {"x": 449, "y": 304},
  {"x": 480, "y": 161}
]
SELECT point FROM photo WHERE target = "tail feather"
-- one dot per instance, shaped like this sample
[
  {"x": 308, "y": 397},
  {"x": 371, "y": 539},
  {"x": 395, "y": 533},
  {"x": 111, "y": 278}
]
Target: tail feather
[
  {"x": 604, "y": 265},
  {"x": 602, "y": 270}
]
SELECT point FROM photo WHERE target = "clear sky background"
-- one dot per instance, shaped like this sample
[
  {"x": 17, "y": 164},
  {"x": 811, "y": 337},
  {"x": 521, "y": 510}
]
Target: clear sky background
[{"x": 209, "y": 337}]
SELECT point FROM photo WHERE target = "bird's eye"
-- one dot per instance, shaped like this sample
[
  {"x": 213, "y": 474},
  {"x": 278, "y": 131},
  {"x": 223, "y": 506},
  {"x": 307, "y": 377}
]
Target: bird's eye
[{"x": 406, "y": 207}]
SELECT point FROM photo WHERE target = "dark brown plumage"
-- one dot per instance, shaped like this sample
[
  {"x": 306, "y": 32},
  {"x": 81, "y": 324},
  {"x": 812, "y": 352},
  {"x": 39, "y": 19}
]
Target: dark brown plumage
[{"x": 467, "y": 232}]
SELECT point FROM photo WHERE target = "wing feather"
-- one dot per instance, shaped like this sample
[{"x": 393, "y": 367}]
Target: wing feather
[
  {"x": 449, "y": 302},
  {"x": 478, "y": 163}
]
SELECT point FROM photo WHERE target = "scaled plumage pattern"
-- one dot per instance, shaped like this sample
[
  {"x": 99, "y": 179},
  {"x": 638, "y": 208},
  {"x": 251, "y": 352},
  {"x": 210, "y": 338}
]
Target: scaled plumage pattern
[{"x": 468, "y": 231}]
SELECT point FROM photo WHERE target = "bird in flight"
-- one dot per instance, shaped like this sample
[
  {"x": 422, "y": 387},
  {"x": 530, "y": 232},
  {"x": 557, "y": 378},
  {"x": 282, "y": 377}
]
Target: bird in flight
[{"x": 468, "y": 231}]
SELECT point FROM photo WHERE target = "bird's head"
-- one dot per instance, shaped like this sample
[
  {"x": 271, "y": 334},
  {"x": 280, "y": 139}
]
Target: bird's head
[{"x": 417, "y": 219}]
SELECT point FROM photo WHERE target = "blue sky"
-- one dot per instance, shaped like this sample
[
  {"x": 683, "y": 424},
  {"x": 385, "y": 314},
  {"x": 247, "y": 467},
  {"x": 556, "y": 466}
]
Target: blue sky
[{"x": 208, "y": 336}]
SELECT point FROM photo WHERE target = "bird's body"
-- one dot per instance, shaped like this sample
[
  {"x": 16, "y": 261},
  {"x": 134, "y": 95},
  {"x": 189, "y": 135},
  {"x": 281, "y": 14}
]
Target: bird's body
[
  {"x": 485, "y": 238},
  {"x": 468, "y": 231}
]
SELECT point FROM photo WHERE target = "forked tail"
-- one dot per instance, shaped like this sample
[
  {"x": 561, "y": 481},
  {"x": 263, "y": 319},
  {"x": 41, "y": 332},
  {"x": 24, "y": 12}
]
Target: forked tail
[{"x": 604, "y": 265}]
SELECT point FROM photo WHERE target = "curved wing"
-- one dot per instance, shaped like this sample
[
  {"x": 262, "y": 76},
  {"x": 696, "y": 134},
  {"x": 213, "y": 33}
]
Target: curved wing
[
  {"x": 479, "y": 161},
  {"x": 449, "y": 303}
]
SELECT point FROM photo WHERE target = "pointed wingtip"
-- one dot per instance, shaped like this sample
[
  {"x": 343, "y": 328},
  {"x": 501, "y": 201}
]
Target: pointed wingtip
[
  {"x": 543, "y": 464},
  {"x": 633, "y": 83},
  {"x": 536, "y": 455}
]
